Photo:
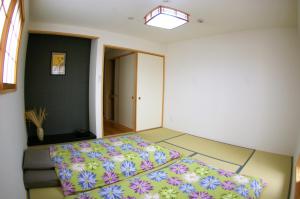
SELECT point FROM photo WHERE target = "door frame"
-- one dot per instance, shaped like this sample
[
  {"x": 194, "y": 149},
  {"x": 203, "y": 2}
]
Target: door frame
[{"x": 136, "y": 70}]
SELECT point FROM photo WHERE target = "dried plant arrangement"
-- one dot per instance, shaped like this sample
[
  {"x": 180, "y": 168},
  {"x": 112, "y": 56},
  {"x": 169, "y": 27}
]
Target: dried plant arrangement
[{"x": 37, "y": 118}]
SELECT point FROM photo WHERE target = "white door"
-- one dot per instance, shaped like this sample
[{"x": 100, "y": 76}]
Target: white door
[
  {"x": 126, "y": 116},
  {"x": 116, "y": 91},
  {"x": 150, "y": 72}
]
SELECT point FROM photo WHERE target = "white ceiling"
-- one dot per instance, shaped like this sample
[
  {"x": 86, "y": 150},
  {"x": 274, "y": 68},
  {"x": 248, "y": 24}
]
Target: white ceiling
[{"x": 220, "y": 16}]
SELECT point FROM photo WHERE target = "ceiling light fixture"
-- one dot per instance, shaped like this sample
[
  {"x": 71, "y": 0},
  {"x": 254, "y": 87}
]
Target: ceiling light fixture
[{"x": 166, "y": 17}]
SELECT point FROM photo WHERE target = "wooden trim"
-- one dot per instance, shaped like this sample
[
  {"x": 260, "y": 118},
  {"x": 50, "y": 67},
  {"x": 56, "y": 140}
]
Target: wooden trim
[
  {"x": 160, "y": 7},
  {"x": 163, "y": 92},
  {"x": 62, "y": 34},
  {"x": 116, "y": 135},
  {"x": 147, "y": 53},
  {"x": 126, "y": 54},
  {"x": 297, "y": 182},
  {"x": 9, "y": 86},
  {"x": 4, "y": 91},
  {"x": 136, "y": 84},
  {"x": 22, "y": 9},
  {"x": 4, "y": 87},
  {"x": 131, "y": 49},
  {"x": 4, "y": 40},
  {"x": 118, "y": 108},
  {"x": 149, "y": 129},
  {"x": 102, "y": 98}
]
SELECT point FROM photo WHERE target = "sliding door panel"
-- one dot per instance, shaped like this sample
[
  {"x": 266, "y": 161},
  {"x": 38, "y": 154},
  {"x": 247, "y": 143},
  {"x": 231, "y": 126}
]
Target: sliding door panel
[
  {"x": 127, "y": 90},
  {"x": 150, "y": 71}
]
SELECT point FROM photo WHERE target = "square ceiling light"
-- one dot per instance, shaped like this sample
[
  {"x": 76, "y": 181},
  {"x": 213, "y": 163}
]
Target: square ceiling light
[{"x": 165, "y": 17}]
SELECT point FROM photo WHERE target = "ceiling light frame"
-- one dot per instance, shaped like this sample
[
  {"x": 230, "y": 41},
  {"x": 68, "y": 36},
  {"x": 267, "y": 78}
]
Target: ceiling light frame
[{"x": 180, "y": 16}]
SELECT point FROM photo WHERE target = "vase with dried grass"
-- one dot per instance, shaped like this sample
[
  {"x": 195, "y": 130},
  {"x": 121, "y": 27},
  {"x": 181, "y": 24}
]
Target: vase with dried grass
[{"x": 37, "y": 118}]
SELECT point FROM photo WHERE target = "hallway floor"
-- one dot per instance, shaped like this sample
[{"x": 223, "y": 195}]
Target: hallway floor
[{"x": 111, "y": 128}]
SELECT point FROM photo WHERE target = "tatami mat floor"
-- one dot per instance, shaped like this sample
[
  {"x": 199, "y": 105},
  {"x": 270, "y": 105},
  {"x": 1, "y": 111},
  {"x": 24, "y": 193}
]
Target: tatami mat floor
[{"x": 274, "y": 169}]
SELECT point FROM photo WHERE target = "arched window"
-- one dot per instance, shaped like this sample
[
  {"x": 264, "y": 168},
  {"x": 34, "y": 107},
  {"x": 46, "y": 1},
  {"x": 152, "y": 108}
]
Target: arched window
[{"x": 11, "y": 23}]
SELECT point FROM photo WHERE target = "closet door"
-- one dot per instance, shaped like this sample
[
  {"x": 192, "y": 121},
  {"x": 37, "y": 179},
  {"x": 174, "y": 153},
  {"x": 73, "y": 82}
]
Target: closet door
[
  {"x": 116, "y": 91},
  {"x": 127, "y": 90},
  {"x": 150, "y": 72}
]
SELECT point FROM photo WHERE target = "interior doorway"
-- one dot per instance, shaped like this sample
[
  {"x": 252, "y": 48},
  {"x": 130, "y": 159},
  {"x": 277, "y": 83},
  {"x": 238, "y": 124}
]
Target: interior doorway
[{"x": 119, "y": 91}]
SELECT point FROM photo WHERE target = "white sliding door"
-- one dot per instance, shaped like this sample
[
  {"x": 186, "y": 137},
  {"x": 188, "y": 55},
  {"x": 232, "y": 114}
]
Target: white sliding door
[
  {"x": 126, "y": 75},
  {"x": 150, "y": 71},
  {"x": 116, "y": 91}
]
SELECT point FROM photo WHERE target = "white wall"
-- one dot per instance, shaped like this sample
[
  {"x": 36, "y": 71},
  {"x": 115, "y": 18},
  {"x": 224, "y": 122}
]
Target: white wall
[
  {"x": 12, "y": 130},
  {"x": 96, "y": 66},
  {"x": 297, "y": 148},
  {"x": 95, "y": 61},
  {"x": 298, "y": 17},
  {"x": 239, "y": 88}
]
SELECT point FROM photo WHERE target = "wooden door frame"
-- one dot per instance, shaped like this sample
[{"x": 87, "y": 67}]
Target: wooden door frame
[
  {"x": 136, "y": 51},
  {"x": 297, "y": 184},
  {"x": 67, "y": 34}
]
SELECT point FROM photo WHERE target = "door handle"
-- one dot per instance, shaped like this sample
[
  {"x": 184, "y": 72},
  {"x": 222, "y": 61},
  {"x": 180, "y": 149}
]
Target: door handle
[{"x": 139, "y": 98}]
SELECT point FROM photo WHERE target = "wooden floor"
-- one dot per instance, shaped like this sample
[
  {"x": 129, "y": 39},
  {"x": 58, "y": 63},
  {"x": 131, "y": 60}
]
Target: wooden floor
[{"x": 111, "y": 128}]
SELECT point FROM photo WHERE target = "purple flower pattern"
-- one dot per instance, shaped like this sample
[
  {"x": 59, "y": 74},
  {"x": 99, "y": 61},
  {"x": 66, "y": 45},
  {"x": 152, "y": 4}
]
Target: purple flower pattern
[
  {"x": 174, "y": 154},
  {"x": 84, "y": 196},
  {"x": 228, "y": 185},
  {"x": 140, "y": 186},
  {"x": 179, "y": 168},
  {"x": 84, "y": 144},
  {"x": 174, "y": 181},
  {"x": 225, "y": 173},
  {"x": 77, "y": 159},
  {"x": 68, "y": 188},
  {"x": 146, "y": 165},
  {"x": 110, "y": 177},
  {"x": 143, "y": 144},
  {"x": 200, "y": 195}
]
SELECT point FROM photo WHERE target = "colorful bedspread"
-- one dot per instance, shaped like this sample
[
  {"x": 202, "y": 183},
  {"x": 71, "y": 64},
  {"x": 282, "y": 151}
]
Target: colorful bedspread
[
  {"x": 86, "y": 165},
  {"x": 188, "y": 178}
]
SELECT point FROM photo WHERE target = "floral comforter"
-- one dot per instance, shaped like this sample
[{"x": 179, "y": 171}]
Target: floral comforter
[
  {"x": 188, "y": 178},
  {"x": 86, "y": 165}
]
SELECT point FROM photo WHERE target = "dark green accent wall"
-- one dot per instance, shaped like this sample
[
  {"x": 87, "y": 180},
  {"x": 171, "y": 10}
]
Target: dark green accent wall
[{"x": 66, "y": 98}]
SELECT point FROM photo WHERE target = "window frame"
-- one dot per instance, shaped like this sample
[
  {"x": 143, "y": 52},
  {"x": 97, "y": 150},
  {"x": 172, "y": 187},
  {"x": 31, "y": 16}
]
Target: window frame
[{"x": 10, "y": 87}]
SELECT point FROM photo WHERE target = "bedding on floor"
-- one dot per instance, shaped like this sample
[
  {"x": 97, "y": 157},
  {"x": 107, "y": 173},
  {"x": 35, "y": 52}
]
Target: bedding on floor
[
  {"x": 40, "y": 179},
  {"x": 86, "y": 165},
  {"x": 187, "y": 178},
  {"x": 38, "y": 169},
  {"x": 37, "y": 159}
]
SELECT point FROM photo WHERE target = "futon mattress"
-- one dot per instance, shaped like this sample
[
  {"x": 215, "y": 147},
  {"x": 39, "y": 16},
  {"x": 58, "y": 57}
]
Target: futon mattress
[
  {"x": 86, "y": 165},
  {"x": 188, "y": 178}
]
